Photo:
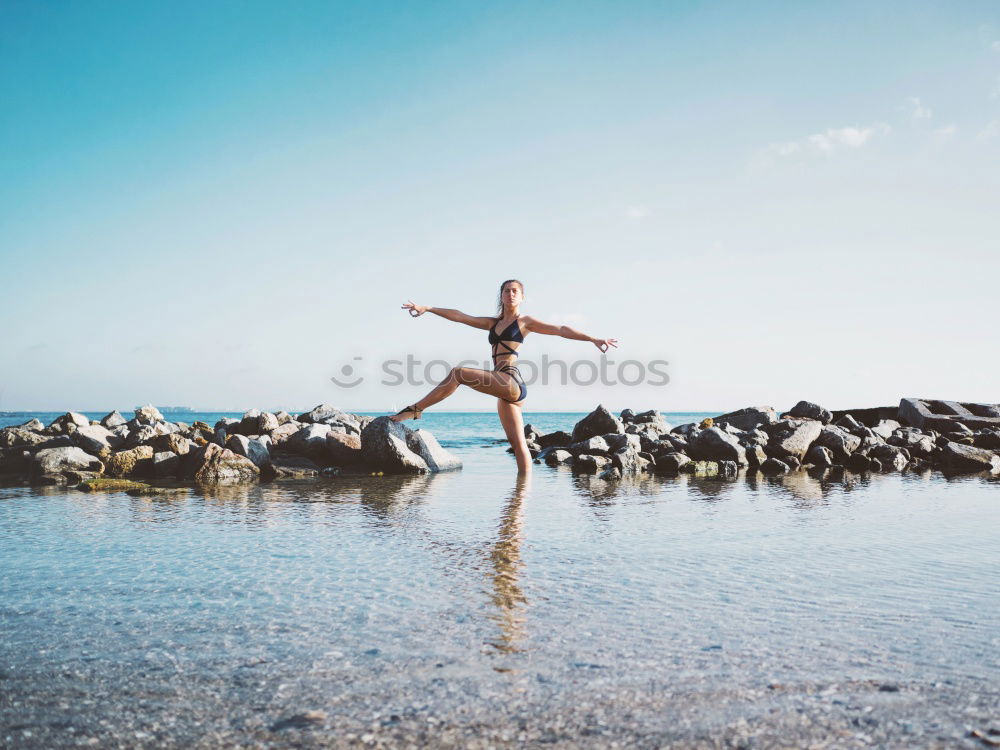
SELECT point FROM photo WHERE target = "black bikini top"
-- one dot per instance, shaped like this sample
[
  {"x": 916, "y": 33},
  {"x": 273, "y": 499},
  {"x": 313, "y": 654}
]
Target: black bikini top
[{"x": 510, "y": 333}]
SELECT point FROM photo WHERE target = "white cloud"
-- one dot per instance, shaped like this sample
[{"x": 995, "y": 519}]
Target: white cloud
[
  {"x": 945, "y": 133},
  {"x": 830, "y": 140},
  {"x": 637, "y": 212},
  {"x": 918, "y": 111},
  {"x": 991, "y": 130}
]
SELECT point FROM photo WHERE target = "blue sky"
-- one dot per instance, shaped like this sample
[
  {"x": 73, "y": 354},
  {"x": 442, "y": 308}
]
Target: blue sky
[{"x": 221, "y": 204}]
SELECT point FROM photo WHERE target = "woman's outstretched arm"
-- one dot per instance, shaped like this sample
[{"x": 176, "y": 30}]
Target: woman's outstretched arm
[
  {"x": 456, "y": 315},
  {"x": 536, "y": 326}
]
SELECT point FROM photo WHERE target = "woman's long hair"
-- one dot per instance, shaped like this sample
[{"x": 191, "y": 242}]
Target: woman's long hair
[{"x": 500, "y": 295}]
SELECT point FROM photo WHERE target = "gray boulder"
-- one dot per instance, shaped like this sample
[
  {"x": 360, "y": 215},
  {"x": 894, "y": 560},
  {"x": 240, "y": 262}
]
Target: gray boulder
[
  {"x": 166, "y": 464},
  {"x": 213, "y": 464},
  {"x": 250, "y": 423},
  {"x": 310, "y": 441},
  {"x": 425, "y": 445},
  {"x": 819, "y": 456},
  {"x": 293, "y": 467},
  {"x": 587, "y": 464},
  {"x": 58, "y": 460},
  {"x": 559, "y": 438},
  {"x": 267, "y": 422},
  {"x": 148, "y": 414},
  {"x": 384, "y": 448},
  {"x": 671, "y": 463},
  {"x": 558, "y": 456},
  {"x": 599, "y": 422},
  {"x": 715, "y": 444},
  {"x": 809, "y": 410},
  {"x": 251, "y": 448},
  {"x": 344, "y": 450},
  {"x": 959, "y": 458},
  {"x": 749, "y": 418},
  {"x": 838, "y": 441},
  {"x": 885, "y": 428},
  {"x": 112, "y": 420},
  {"x": 594, "y": 445},
  {"x": 774, "y": 466},
  {"x": 791, "y": 437},
  {"x": 95, "y": 438}
]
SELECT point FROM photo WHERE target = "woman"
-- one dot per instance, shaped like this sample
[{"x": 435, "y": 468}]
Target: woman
[{"x": 504, "y": 381}]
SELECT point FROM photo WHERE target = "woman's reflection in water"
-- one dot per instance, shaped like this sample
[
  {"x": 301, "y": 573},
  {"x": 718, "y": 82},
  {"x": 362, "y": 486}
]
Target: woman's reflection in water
[{"x": 505, "y": 557}]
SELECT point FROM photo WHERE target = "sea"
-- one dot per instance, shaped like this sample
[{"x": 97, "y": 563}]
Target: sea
[{"x": 477, "y": 608}]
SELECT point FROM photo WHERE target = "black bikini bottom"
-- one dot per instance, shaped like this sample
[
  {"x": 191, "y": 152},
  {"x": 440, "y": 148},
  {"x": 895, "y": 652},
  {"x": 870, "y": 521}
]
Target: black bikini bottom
[{"x": 512, "y": 370}]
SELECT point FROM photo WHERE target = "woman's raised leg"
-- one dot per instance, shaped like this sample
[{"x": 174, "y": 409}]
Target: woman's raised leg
[{"x": 486, "y": 381}]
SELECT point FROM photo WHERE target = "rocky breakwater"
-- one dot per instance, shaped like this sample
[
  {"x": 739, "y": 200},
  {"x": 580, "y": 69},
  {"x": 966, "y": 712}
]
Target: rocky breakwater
[
  {"x": 758, "y": 439},
  {"x": 258, "y": 446}
]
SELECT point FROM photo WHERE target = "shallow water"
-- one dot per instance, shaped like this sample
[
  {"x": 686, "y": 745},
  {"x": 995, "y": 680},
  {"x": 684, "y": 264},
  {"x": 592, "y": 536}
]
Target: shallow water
[{"x": 563, "y": 604}]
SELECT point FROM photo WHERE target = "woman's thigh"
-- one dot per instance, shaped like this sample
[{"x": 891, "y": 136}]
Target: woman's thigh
[{"x": 499, "y": 384}]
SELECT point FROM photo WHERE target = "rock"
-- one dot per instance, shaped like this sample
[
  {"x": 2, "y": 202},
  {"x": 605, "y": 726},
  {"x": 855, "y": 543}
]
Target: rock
[
  {"x": 16, "y": 437},
  {"x": 728, "y": 469},
  {"x": 819, "y": 456},
  {"x": 610, "y": 474},
  {"x": 848, "y": 423},
  {"x": 166, "y": 464},
  {"x": 285, "y": 431},
  {"x": 112, "y": 420},
  {"x": 148, "y": 414},
  {"x": 283, "y": 417},
  {"x": 215, "y": 464},
  {"x": 251, "y": 448},
  {"x": 755, "y": 456},
  {"x": 34, "y": 424},
  {"x": 701, "y": 468},
  {"x": 558, "y": 456},
  {"x": 892, "y": 457},
  {"x": 885, "y": 428},
  {"x": 531, "y": 434},
  {"x": 959, "y": 458},
  {"x": 425, "y": 445},
  {"x": 809, "y": 410},
  {"x": 145, "y": 490},
  {"x": 142, "y": 435},
  {"x": 839, "y": 442},
  {"x": 598, "y": 422},
  {"x": 749, "y": 418},
  {"x": 95, "y": 438},
  {"x": 324, "y": 413},
  {"x": 293, "y": 467},
  {"x": 174, "y": 442},
  {"x": 15, "y": 461},
  {"x": 228, "y": 425},
  {"x": 596, "y": 445},
  {"x": 671, "y": 463},
  {"x": 267, "y": 422},
  {"x": 790, "y": 437},
  {"x": 310, "y": 441},
  {"x": 586, "y": 463},
  {"x": 68, "y": 422},
  {"x": 48, "y": 479},
  {"x": 138, "y": 460},
  {"x": 384, "y": 448},
  {"x": 859, "y": 462},
  {"x": 559, "y": 438},
  {"x": 57, "y": 460},
  {"x": 74, "y": 477},
  {"x": 103, "y": 484},
  {"x": 715, "y": 444},
  {"x": 627, "y": 415},
  {"x": 616, "y": 443},
  {"x": 250, "y": 423},
  {"x": 775, "y": 466},
  {"x": 344, "y": 450},
  {"x": 989, "y": 439}
]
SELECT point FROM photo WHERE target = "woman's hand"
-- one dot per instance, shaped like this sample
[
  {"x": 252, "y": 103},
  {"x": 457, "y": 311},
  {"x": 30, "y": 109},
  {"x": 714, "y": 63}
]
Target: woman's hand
[
  {"x": 415, "y": 310},
  {"x": 603, "y": 344}
]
